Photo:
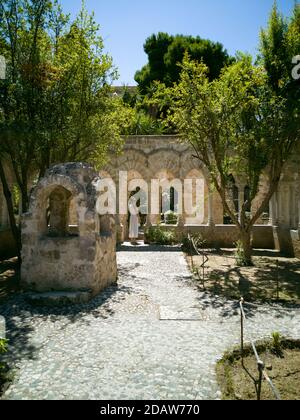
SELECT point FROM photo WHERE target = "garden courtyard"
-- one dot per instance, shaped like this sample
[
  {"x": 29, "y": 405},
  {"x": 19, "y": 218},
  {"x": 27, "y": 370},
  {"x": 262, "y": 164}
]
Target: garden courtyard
[
  {"x": 140, "y": 213},
  {"x": 156, "y": 335}
]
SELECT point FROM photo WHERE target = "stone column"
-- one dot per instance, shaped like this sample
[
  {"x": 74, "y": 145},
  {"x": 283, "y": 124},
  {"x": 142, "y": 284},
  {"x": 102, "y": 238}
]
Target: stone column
[
  {"x": 273, "y": 212},
  {"x": 119, "y": 229},
  {"x": 124, "y": 226},
  {"x": 279, "y": 207},
  {"x": 293, "y": 206},
  {"x": 285, "y": 217},
  {"x": 149, "y": 217},
  {"x": 210, "y": 208}
]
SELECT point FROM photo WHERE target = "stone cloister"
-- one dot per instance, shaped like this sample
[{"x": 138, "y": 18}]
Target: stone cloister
[{"x": 166, "y": 158}]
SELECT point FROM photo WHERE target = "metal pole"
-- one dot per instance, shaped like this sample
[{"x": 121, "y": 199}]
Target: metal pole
[
  {"x": 261, "y": 367},
  {"x": 260, "y": 363},
  {"x": 242, "y": 329},
  {"x": 191, "y": 251},
  {"x": 277, "y": 278},
  {"x": 203, "y": 271}
]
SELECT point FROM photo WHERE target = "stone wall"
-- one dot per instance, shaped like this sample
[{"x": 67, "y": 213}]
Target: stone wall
[
  {"x": 54, "y": 258},
  {"x": 225, "y": 236}
]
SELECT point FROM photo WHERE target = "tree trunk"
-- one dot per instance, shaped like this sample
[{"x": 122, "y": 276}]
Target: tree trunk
[
  {"x": 10, "y": 207},
  {"x": 25, "y": 201},
  {"x": 246, "y": 242}
]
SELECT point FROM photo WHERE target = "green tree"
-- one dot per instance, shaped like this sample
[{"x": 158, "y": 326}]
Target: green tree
[
  {"x": 165, "y": 52},
  {"x": 280, "y": 43},
  {"x": 236, "y": 126},
  {"x": 56, "y": 102}
]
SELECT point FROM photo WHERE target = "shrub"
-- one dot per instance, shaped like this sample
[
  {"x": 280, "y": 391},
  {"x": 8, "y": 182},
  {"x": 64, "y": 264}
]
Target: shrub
[
  {"x": 5, "y": 375},
  {"x": 277, "y": 343},
  {"x": 198, "y": 241},
  {"x": 160, "y": 236},
  {"x": 3, "y": 345},
  {"x": 170, "y": 218},
  {"x": 144, "y": 124},
  {"x": 3, "y": 349}
]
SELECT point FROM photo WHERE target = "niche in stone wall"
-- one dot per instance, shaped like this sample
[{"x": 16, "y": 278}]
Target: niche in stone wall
[{"x": 62, "y": 219}]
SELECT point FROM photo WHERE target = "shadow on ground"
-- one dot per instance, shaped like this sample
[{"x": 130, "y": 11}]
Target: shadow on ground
[{"x": 273, "y": 278}]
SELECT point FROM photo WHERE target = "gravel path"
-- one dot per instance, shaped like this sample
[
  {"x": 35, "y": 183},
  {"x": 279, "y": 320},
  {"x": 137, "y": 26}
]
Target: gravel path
[{"x": 155, "y": 336}]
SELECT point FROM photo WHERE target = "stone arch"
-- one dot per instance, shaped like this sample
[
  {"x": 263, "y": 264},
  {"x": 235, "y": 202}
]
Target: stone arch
[
  {"x": 189, "y": 163},
  {"x": 69, "y": 190},
  {"x": 134, "y": 174},
  {"x": 58, "y": 209},
  {"x": 144, "y": 189},
  {"x": 47, "y": 185},
  {"x": 106, "y": 173},
  {"x": 164, "y": 174},
  {"x": 134, "y": 160}
]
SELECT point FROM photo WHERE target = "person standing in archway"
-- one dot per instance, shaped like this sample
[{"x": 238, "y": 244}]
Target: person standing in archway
[{"x": 134, "y": 222}]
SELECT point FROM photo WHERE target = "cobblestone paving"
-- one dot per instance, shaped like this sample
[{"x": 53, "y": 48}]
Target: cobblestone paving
[{"x": 117, "y": 347}]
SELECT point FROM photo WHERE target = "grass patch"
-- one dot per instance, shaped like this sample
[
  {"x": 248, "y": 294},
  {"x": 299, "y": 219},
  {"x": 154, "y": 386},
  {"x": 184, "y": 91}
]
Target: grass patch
[{"x": 282, "y": 360}]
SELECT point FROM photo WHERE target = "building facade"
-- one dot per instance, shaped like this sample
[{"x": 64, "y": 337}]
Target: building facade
[{"x": 167, "y": 158}]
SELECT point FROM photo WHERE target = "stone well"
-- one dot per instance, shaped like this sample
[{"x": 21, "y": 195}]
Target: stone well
[{"x": 67, "y": 245}]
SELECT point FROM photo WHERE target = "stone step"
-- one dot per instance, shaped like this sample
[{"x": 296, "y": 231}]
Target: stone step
[{"x": 59, "y": 298}]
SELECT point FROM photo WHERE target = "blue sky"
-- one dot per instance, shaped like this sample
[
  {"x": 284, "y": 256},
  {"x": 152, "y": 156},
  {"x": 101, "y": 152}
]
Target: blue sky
[{"x": 125, "y": 24}]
